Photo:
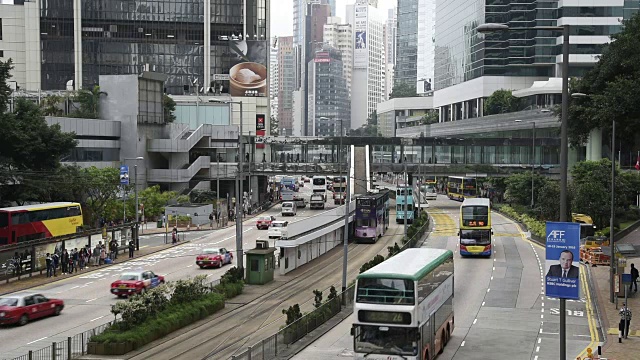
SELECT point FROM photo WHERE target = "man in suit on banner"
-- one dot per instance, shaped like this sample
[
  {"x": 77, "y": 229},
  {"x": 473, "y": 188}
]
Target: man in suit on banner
[{"x": 565, "y": 269}]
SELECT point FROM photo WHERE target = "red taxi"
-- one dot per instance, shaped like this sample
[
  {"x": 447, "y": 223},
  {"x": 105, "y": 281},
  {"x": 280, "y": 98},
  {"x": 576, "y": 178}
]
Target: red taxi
[
  {"x": 135, "y": 282},
  {"x": 214, "y": 258},
  {"x": 263, "y": 222},
  {"x": 22, "y": 308}
]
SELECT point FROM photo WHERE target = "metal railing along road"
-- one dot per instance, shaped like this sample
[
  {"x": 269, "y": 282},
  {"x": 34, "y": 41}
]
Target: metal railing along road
[{"x": 75, "y": 346}]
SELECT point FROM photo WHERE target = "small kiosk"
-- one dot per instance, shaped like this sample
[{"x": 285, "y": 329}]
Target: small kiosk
[{"x": 261, "y": 263}]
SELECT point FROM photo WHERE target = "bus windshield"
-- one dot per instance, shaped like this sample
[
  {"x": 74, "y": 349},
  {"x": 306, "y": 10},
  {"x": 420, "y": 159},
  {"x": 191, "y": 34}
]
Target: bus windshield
[
  {"x": 386, "y": 291},
  {"x": 478, "y": 213},
  {"x": 475, "y": 237},
  {"x": 319, "y": 181},
  {"x": 386, "y": 340},
  {"x": 400, "y": 207}
]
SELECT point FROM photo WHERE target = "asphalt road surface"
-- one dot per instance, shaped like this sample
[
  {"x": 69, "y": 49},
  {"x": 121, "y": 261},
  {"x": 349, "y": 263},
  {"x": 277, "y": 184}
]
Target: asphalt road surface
[
  {"x": 500, "y": 308},
  {"x": 87, "y": 297}
]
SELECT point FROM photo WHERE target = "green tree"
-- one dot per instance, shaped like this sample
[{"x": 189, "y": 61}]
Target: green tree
[
  {"x": 547, "y": 200},
  {"x": 372, "y": 120},
  {"x": 502, "y": 101},
  {"x": 429, "y": 118},
  {"x": 102, "y": 192},
  {"x": 612, "y": 85},
  {"x": 169, "y": 108},
  {"x": 152, "y": 198},
  {"x": 518, "y": 187},
  {"x": 274, "y": 126},
  {"x": 202, "y": 197},
  {"x": 5, "y": 90},
  {"x": 402, "y": 89},
  {"x": 89, "y": 101}
]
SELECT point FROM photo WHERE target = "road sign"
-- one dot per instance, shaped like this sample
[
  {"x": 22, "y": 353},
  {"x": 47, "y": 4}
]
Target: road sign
[
  {"x": 626, "y": 279},
  {"x": 563, "y": 260},
  {"x": 124, "y": 175}
]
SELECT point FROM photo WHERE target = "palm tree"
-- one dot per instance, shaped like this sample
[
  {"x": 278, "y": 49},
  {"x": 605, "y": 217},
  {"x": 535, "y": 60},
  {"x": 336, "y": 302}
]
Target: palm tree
[{"x": 89, "y": 102}]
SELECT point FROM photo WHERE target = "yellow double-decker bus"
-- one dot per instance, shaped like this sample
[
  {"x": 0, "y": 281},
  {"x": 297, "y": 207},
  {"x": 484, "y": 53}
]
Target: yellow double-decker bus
[
  {"x": 30, "y": 222},
  {"x": 461, "y": 187},
  {"x": 475, "y": 228}
]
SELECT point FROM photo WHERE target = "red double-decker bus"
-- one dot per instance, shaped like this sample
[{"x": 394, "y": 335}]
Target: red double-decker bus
[{"x": 23, "y": 223}]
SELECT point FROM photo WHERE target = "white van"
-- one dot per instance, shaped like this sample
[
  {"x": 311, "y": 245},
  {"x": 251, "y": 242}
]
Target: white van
[
  {"x": 289, "y": 208},
  {"x": 278, "y": 230}
]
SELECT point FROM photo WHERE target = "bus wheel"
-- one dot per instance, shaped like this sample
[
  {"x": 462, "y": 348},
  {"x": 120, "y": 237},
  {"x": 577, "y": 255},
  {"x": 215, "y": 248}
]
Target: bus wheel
[
  {"x": 448, "y": 334},
  {"x": 426, "y": 354},
  {"x": 442, "y": 342}
]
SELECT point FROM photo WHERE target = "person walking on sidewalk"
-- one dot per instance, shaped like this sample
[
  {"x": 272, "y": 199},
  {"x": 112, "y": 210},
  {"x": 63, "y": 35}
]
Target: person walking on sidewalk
[
  {"x": 625, "y": 322},
  {"x": 49, "y": 262},
  {"x": 634, "y": 278},
  {"x": 131, "y": 248}
]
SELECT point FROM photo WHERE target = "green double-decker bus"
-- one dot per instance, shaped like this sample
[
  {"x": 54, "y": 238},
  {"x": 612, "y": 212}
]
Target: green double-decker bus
[{"x": 404, "y": 306}]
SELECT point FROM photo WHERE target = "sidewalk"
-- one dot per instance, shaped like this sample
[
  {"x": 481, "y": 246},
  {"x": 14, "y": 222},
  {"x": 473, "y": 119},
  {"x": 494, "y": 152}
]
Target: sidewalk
[
  {"x": 39, "y": 279},
  {"x": 628, "y": 349}
]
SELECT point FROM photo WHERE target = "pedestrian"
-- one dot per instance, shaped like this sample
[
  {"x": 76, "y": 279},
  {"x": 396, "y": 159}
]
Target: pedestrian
[
  {"x": 634, "y": 277},
  {"x": 17, "y": 264},
  {"x": 49, "y": 262},
  {"x": 65, "y": 262},
  {"x": 70, "y": 266},
  {"x": 211, "y": 220},
  {"x": 82, "y": 257},
  {"x": 56, "y": 260},
  {"x": 96, "y": 255},
  {"x": 131, "y": 248},
  {"x": 174, "y": 235},
  {"x": 113, "y": 247},
  {"x": 103, "y": 255},
  {"x": 76, "y": 258},
  {"x": 625, "y": 322},
  {"x": 217, "y": 216}
]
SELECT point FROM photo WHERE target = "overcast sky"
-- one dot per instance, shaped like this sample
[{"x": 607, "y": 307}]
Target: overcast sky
[{"x": 282, "y": 14}]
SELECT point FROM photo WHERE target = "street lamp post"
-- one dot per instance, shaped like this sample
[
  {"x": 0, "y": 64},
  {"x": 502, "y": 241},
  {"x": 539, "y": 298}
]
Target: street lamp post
[
  {"x": 564, "y": 143},
  {"x": 239, "y": 251},
  {"x": 135, "y": 191}
]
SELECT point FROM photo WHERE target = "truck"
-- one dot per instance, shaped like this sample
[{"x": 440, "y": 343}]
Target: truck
[
  {"x": 300, "y": 202},
  {"x": 316, "y": 201}
]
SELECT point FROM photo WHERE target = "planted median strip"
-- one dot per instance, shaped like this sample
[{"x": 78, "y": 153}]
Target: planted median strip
[{"x": 150, "y": 316}]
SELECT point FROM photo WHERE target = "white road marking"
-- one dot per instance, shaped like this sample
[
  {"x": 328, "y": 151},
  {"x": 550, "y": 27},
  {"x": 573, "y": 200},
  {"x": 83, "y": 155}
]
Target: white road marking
[
  {"x": 190, "y": 265},
  {"x": 488, "y": 290},
  {"x": 462, "y": 343},
  {"x": 34, "y": 341},
  {"x": 539, "y": 340},
  {"x": 91, "y": 300},
  {"x": 475, "y": 321},
  {"x": 537, "y": 348},
  {"x": 482, "y": 303},
  {"x": 98, "y": 318},
  {"x": 77, "y": 286}
]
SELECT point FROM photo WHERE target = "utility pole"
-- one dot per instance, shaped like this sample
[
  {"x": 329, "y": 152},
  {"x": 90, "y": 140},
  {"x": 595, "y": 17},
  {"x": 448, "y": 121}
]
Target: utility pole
[
  {"x": 346, "y": 227},
  {"x": 405, "y": 190}
]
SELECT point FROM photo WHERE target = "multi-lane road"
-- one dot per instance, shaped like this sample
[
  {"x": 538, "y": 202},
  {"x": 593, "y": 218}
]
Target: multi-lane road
[
  {"x": 500, "y": 308},
  {"x": 87, "y": 297}
]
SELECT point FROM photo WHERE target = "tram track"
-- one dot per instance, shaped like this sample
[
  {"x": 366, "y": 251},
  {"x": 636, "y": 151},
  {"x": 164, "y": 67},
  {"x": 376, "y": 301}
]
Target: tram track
[{"x": 250, "y": 322}]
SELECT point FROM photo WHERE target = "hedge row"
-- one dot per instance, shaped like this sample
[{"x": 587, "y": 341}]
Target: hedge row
[{"x": 536, "y": 227}]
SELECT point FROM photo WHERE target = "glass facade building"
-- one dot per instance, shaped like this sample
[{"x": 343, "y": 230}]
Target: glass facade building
[
  {"x": 406, "y": 54},
  {"x": 175, "y": 37},
  {"x": 462, "y": 54},
  {"x": 328, "y": 93}
]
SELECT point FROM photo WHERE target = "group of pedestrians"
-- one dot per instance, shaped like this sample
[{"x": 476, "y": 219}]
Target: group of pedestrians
[{"x": 70, "y": 262}]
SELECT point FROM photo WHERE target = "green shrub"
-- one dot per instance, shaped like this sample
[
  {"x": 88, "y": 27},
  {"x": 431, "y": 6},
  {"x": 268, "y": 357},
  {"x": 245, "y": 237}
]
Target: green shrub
[
  {"x": 167, "y": 321},
  {"x": 536, "y": 227},
  {"x": 230, "y": 289}
]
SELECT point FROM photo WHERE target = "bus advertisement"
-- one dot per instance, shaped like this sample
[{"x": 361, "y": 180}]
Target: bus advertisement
[
  {"x": 475, "y": 228},
  {"x": 404, "y": 306},
  {"x": 24, "y": 223},
  {"x": 289, "y": 183},
  {"x": 372, "y": 216},
  {"x": 461, "y": 187},
  {"x": 404, "y": 194}
]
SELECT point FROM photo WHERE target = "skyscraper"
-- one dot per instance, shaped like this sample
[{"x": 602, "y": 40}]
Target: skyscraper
[
  {"x": 426, "y": 45},
  {"x": 340, "y": 37},
  {"x": 273, "y": 77},
  {"x": 406, "y": 53},
  {"x": 328, "y": 100},
  {"x": 369, "y": 61},
  {"x": 390, "y": 34},
  {"x": 470, "y": 66},
  {"x": 286, "y": 83}
]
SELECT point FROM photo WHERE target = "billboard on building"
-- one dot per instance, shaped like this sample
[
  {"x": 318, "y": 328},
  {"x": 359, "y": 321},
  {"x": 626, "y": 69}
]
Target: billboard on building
[
  {"x": 248, "y": 69},
  {"x": 261, "y": 127},
  {"x": 360, "y": 52}
]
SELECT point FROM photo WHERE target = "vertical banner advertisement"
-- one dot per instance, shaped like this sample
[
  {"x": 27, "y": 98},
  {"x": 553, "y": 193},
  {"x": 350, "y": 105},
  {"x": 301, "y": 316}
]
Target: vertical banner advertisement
[
  {"x": 261, "y": 127},
  {"x": 360, "y": 53},
  {"x": 562, "y": 264},
  {"x": 124, "y": 175}
]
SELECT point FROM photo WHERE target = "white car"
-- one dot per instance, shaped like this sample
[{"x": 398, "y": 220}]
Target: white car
[
  {"x": 429, "y": 192},
  {"x": 289, "y": 208},
  {"x": 278, "y": 230}
]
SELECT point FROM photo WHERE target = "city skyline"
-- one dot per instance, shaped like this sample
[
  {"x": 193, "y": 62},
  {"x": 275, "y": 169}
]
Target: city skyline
[{"x": 282, "y": 14}]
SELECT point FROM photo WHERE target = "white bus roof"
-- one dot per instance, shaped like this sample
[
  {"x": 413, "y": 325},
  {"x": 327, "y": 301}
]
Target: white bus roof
[
  {"x": 409, "y": 264},
  {"x": 476, "y": 202},
  {"x": 39, "y": 206}
]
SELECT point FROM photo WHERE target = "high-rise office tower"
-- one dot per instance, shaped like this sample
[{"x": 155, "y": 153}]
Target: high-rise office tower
[
  {"x": 340, "y": 36},
  {"x": 369, "y": 60},
  {"x": 328, "y": 100},
  {"x": 426, "y": 45},
  {"x": 390, "y": 34},
  {"x": 273, "y": 77},
  {"x": 286, "y": 83}
]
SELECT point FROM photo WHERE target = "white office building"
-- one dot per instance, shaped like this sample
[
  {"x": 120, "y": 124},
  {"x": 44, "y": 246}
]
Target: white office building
[
  {"x": 426, "y": 45},
  {"x": 340, "y": 36},
  {"x": 369, "y": 60}
]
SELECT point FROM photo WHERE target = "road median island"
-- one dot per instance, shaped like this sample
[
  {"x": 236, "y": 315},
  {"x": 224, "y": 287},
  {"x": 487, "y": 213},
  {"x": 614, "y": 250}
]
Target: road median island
[{"x": 154, "y": 314}]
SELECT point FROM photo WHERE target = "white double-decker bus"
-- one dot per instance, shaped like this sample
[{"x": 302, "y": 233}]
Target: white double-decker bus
[
  {"x": 404, "y": 306},
  {"x": 319, "y": 184}
]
